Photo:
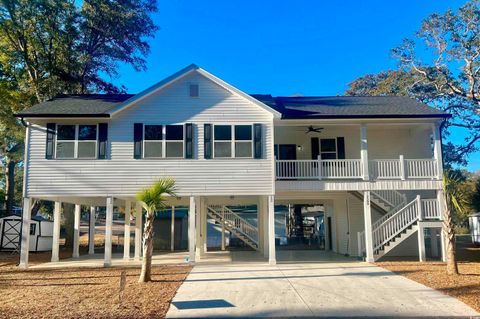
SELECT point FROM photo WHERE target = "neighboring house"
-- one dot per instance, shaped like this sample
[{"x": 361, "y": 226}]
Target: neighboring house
[{"x": 355, "y": 175}]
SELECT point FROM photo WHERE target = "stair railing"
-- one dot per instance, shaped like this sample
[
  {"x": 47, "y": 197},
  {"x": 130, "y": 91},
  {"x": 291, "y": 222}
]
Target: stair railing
[
  {"x": 395, "y": 224},
  {"x": 235, "y": 222}
]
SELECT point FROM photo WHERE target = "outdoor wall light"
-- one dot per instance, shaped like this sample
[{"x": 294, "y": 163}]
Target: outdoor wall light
[{"x": 299, "y": 148}]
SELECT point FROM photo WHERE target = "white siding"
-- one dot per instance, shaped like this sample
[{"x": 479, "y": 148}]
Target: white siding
[{"x": 121, "y": 175}]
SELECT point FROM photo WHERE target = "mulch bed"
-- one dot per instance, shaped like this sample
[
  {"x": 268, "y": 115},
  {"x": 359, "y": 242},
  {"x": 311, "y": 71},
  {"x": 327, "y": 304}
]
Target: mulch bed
[
  {"x": 84, "y": 293},
  {"x": 465, "y": 286}
]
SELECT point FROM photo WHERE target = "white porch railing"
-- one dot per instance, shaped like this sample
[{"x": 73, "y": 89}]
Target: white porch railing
[
  {"x": 430, "y": 209},
  {"x": 233, "y": 220},
  {"x": 318, "y": 169},
  {"x": 389, "y": 169}
]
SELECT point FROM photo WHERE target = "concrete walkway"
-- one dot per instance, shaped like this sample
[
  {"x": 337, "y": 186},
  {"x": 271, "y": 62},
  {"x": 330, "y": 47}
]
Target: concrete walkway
[{"x": 335, "y": 286}]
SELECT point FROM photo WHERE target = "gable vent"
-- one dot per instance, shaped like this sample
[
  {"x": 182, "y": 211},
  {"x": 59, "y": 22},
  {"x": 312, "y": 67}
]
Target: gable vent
[{"x": 193, "y": 89}]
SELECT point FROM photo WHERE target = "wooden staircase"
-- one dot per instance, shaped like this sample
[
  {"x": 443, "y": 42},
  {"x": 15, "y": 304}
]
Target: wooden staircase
[
  {"x": 237, "y": 225},
  {"x": 396, "y": 226}
]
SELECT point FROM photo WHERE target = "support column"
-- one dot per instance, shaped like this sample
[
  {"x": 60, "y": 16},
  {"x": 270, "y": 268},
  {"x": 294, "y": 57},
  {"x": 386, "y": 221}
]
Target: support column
[
  {"x": 364, "y": 151},
  {"x": 223, "y": 229},
  {"x": 138, "y": 230},
  {"x": 442, "y": 207},
  {"x": 107, "y": 262},
  {"x": 126, "y": 233},
  {"x": 204, "y": 223},
  {"x": 421, "y": 243},
  {"x": 191, "y": 230},
  {"x": 172, "y": 230},
  {"x": 25, "y": 240},
  {"x": 437, "y": 149},
  {"x": 265, "y": 226},
  {"x": 260, "y": 225},
  {"x": 272, "y": 260},
  {"x": 76, "y": 231},
  {"x": 367, "y": 210},
  {"x": 91, "y": 231},
  {"x": 56, "y": 231}
]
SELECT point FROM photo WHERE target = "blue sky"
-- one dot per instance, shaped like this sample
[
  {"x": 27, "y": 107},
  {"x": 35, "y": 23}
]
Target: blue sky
[{"x": 282, "y": 47}]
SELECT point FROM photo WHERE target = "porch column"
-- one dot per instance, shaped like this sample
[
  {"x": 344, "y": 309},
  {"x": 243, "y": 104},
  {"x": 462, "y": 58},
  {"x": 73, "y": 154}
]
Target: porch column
[
  {"x": 25, "y": 241},
  {"x": 364, "y": 151},
  {"x": 191, "y": 230},
  {"x": 272, "y": 260},
  {"x": 203, "y": 226},
  {"x": 126, "y": 234},
  {"x": 56, "y": 231},
  {"x": 76, "y": 231},
  {"x": 107, "y": 262},
  {"x": 437, "y": 149},
  {"x": 199, "y": 227},
  {"x": 421, "y": 243},
  {"x": 91, "y": 232},
  {"x": 367, "y": 210},
  {"x": 172, "y": 230},
  {"x": 138, "y": 230}
]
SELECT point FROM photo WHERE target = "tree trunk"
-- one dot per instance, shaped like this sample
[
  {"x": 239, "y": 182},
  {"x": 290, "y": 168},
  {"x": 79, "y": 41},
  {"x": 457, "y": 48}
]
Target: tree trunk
[
  {"x": 146, "y": 274},
  {"x": 452, "y": 267},
  {"x": 68, "y": 213},
  {"x": 10, "y": 185}
]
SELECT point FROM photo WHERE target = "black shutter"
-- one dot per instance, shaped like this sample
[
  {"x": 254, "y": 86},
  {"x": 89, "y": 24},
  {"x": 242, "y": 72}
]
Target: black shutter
[
  {"x": 189, "y": 140},
  {"x": 341, "y": 147},
  {"x": 137, "y": 140},
  {"x": 257, "y": 140},
  {"x": 50, "y": 140},
  {"x": 102, "y": 140},
  {"x": 207, "y": 141},
  {"x": 315, "y": 147}
]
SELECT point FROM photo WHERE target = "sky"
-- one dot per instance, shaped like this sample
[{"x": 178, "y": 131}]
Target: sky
[{"x": 282, "y": 47}]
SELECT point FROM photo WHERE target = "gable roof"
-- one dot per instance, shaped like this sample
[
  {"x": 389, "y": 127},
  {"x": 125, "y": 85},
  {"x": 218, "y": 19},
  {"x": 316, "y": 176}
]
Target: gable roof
[
  {"x": 337, "y": 107},
  {"x": 297, "y": 107},
  {"x": 180, "y": 74}
]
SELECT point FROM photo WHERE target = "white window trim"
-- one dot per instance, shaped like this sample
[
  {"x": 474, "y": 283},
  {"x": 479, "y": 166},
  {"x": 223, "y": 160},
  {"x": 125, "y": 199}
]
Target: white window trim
[
  {"x": 76, "y": 142},
  {"x": 233, "y": 141},
  {"x": 163, "y": 141}
]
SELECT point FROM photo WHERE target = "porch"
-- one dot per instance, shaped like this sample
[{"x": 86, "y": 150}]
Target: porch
[{"x": 357, "y": 152}]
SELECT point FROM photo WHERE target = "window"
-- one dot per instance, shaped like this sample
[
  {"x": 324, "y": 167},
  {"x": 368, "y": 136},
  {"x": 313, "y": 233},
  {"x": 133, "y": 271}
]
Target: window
[
  {"x": 162, "y": 141},
  {"x": 76, "y": 141},
  {"x": 193, "y": 90},
  {"x": 153, "y": 141},
  {"x": 174, "y": 140},
  {"x": 233, "y": 141},
  {"x": 328, "y": 148}
]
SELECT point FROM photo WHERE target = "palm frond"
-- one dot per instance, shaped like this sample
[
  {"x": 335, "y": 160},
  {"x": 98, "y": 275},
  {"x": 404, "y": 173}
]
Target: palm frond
[{"x": 153, "y": 198}]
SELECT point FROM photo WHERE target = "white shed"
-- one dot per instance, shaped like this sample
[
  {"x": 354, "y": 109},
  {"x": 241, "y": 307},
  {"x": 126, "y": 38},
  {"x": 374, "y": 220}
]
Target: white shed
[
  {"x": 474, "y": 222},
  {"x": 41, "y": 233}
]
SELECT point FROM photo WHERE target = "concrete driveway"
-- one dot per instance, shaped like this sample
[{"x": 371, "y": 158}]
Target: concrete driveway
[{"x": 336, "y": 287}]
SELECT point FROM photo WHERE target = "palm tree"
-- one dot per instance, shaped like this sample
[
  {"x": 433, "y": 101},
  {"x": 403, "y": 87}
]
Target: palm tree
[
  {"x": 152, "y": 198},
  {"x": 455, "y": 201}
]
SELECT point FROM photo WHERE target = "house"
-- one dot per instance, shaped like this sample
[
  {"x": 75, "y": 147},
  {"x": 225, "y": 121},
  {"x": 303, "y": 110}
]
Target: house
[{"x": 355, "y": 175}]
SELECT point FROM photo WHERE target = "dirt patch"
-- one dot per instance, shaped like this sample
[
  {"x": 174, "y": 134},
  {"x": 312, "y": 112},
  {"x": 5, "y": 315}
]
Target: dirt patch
[
  {"x": 465, "y": 286},
  {"x": 84, "y": 293}
]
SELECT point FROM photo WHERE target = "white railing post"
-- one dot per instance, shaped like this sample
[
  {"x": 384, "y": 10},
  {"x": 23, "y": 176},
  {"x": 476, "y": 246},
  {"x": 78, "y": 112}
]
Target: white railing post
[
  {"x": 403, "y": 169},
  {"x": 419, "y": 208},
  {"x": 319, "y": 163}
]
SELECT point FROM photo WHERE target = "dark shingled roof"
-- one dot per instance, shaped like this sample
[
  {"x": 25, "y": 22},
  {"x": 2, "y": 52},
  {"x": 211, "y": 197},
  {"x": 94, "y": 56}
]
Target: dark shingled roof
[
  {"x": 325, "y": 107},
  {"x": 297, "y": 107},
  {"x": 76, "y": 105}
]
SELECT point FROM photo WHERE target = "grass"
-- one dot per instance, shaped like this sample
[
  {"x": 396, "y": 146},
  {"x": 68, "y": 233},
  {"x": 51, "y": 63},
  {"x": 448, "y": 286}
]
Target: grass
[
  {"x": 84, "y": 293},
  {"x": 465, "y": 286}
]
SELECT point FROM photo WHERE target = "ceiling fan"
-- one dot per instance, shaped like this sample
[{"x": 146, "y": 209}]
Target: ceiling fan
[{"x": 312, "y": 129}]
